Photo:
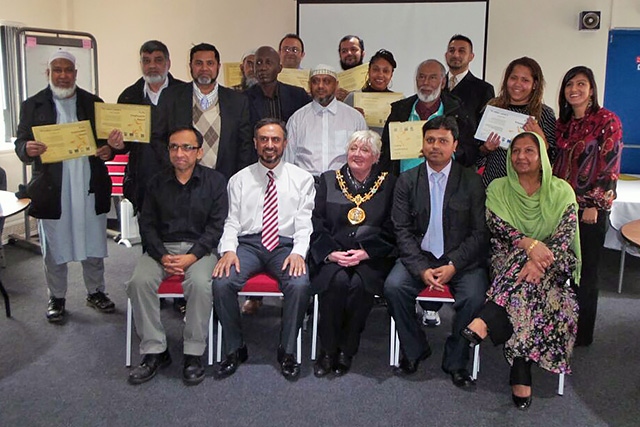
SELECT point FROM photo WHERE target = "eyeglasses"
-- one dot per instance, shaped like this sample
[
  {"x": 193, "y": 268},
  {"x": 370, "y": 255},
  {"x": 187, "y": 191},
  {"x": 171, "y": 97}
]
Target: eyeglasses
[
  {"x": 290, "y": 49},
  {"x": 185, "y": 147}
]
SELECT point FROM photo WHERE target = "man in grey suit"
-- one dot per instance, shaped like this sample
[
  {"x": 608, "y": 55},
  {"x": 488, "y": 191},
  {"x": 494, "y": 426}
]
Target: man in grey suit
[
  {"x": 438, "y": 217},
  {"x": 219, "y": 113}
]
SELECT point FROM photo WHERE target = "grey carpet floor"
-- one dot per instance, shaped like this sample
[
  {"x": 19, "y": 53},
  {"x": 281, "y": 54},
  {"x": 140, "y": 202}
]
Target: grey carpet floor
[{"x": 74, "y": 374}]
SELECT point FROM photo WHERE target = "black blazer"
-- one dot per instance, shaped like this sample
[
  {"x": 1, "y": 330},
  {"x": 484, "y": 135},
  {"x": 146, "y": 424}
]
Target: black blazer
[
  {"x": 291, "y": 99},
  {"x": 45, "y": 187},
  {"x": 235, "y": 150},
  {"x": 467, "y": 151},
  {"x": 143, "y": 160},
  {"x": 465, "y": 232},
  {"x": 474, "y": 93},
  {"x": 332, "y": 231}
]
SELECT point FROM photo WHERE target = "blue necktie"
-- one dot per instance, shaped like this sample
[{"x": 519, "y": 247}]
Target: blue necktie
[{"x": 433, "y": 240}]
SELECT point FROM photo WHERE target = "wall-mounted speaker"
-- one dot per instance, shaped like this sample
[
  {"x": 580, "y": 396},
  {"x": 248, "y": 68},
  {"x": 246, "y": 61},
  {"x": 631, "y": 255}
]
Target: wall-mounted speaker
[{"x": 589, "y": 20}]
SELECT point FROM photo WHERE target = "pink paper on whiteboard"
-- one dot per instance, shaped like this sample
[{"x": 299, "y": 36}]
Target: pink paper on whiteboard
[
  {"x": 31, "y": 42},
  {"x": 86, "y": 44}
]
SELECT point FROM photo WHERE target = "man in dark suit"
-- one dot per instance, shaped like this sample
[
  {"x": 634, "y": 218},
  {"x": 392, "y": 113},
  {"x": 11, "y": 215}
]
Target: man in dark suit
[
  {"x": 438, "y": 217},
  {"x": 475, "y": 93},
  {"x": 430, "y": 101},
  {"x": 271, "y": 98},
  {"x": 219, "y": 113},
  {"x": 143, "y": 164}
]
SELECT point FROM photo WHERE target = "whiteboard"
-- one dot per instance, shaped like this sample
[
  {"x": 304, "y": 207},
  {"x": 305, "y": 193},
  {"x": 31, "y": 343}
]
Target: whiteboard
[
  {"x": 36, "y": 48},
  {"x": 413, "y": 32}
]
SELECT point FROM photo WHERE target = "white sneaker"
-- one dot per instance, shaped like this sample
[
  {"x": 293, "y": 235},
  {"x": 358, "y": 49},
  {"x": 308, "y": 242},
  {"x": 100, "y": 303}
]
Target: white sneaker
[{"x": 430, "y": 318}]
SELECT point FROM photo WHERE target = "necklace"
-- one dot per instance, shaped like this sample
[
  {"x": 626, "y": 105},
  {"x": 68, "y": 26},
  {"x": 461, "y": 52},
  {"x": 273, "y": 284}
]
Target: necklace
[{"x": 357, "y": 215}]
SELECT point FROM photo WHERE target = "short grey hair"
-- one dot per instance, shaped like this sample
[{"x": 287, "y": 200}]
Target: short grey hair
[
  {"x": 369, "y": 137},
  {"x": 443, "y": 70}
]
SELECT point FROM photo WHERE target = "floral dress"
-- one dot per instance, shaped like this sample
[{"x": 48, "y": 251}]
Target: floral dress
[{"x": 544, "y": 316}]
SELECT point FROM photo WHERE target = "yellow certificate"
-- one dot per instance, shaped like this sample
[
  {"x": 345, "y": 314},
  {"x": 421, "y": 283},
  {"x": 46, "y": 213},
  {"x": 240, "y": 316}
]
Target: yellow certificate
[
  {"x": 232, "y": 73},
  {"x": 405, "y": 139},
  {"x": 134, "y": 121},
  {"x": 355, "y": 78},
  {"x": 295, "y": 77},
  {"x": 376, "y": 105},
  {"x": 65, "y": 141}
]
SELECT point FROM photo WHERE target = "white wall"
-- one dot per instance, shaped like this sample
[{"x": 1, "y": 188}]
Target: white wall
[
  {"x": 548, "y": 32},
  {"x": 233, "y": 26}
]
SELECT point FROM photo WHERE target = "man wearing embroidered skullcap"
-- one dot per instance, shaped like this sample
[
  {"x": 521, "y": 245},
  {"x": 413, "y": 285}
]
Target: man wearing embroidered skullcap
[{"x": 319, "y": 131}]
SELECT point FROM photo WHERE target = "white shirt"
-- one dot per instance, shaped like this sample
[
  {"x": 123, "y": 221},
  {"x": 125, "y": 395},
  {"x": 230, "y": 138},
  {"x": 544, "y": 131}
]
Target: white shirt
[
  {"x": 458, "y": 77},
  {"x": 247, "y": 189},
  {"x": 318, "y": 136},
  {"x": 212, "y": 97},
  {"x": 155, "y": 96}
]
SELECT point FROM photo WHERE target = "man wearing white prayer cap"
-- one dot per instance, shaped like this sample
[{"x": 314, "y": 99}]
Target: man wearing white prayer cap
[
  {"x": 319, "y": 131},
  {"x": 247, "y": 68},
  {"x": 71, "y": 197}
]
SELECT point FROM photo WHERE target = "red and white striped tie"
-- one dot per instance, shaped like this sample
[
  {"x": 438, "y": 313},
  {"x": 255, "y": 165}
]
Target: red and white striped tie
[{"x": 270, "y": 215}]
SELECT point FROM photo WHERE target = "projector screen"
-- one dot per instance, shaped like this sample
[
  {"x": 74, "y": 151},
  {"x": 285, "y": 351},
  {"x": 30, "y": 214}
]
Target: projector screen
[{"x": 412, "y": 31}]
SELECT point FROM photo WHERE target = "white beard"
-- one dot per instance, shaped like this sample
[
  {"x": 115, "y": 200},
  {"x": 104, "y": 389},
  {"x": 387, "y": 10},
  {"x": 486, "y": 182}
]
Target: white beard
[
  {"x": 62, "y": 93},
  {"x": 428, "y": 98},
  {"x": 250, "y": 81},
  {"x": 153, "y": 79}
]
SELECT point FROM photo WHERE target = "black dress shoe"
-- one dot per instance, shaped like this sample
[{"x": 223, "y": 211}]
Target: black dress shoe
[
  {"x": 101, "y": 302},
  {"x": 289, "y": 367},
  {"x": 324, "y": 365},
  {"x": 472, "y": 337},
  {"x": 230, "y": 364},
  {"x": 462, "y": 379},
  {"x": 521, "y": 403},
  {"x": 149, "y": 367},
  {"x": 407, "y": 366},
  {"x": 55, "y": 310},
  {"x": 193, "y": 371},
  {"x": 343, "y": 364}
]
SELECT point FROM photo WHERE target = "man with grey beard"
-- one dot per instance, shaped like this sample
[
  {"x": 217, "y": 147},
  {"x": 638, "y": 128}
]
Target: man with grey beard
[
  {"x": 143, "y": 160},
  {"x": 247, "y": 68},
  {"x": 220, "y": 114},
  {"x": 70, "y": 198},
  {"x": 430, "y": 101}
]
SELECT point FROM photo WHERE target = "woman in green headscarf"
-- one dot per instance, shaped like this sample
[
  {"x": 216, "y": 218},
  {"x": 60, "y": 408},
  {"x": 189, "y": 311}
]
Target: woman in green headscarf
[{"x": 531, "y": 307}]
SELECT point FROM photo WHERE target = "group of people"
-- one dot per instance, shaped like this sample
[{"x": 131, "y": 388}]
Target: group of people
[{"x": 268, "y": 177}]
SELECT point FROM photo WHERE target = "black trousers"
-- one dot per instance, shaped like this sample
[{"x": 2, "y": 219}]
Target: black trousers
[
  {"x": 498, "y": 323},
  {"x": 344, "y": 308},
  {"x": 591, "y": 243}
]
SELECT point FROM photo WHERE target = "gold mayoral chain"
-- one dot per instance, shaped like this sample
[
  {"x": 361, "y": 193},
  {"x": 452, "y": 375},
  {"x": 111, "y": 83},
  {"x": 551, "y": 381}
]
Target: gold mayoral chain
[{"x": 357, "y": 215}]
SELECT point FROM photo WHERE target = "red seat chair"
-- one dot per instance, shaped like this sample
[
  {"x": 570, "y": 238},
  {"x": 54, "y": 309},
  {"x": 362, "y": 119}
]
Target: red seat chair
[
  {"x": 171, "y": 287},
  {"x": 260, "y": 285},
  {"x": 433, "y": 296},
  {"x": 116, "y": 168}
]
